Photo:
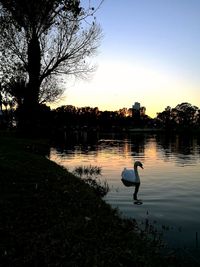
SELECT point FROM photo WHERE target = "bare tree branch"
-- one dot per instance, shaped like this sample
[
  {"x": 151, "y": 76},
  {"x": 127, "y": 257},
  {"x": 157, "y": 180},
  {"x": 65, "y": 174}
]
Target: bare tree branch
[{"x": 65, "y": 36}]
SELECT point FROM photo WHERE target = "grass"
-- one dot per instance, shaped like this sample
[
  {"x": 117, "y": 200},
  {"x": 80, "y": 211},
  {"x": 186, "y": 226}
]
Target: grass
[{"x": 49, "y": 217}]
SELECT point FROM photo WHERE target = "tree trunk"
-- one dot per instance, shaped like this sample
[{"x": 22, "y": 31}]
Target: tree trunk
[
  {"x": 29, "y": 112},
  {"x": 34, "y": 65}
]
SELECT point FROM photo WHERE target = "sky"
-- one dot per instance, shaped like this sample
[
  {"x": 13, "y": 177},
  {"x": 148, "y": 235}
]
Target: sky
[{"x": 149, "y": 53}]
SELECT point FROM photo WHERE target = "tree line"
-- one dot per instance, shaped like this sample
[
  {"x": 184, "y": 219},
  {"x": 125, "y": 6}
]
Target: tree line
[
  {"x": 183, "y": 116},
  {"x": 69, "y": 118}
]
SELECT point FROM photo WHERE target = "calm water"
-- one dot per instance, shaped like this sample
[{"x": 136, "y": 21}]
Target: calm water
[{"x": 170, "y": 180}]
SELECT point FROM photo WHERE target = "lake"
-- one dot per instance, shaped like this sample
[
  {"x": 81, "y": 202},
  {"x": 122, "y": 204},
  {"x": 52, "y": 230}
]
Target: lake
[{"x": 170, "y": 180}]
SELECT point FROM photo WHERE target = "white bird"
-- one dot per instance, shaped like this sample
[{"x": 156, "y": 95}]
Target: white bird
[{"x": 130, "y": 177}]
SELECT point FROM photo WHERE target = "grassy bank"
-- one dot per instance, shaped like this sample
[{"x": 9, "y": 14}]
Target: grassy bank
[{"x": 48, "y": 217}]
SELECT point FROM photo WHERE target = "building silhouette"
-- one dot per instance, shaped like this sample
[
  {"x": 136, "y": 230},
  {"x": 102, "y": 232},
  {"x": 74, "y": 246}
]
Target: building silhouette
[{"x": 137, "y": 110}]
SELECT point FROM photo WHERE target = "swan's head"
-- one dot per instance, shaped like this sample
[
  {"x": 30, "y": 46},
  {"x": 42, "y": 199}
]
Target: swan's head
[{"x": 138, "y": 164}]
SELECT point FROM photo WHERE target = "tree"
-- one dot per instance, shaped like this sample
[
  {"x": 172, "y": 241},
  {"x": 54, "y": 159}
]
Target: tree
[
  {"x": 44, "y": 39},
  {"x": 165, "y": 117},
  {"x": 186, "y": 114},
  {"x": 183, "y": 116}
]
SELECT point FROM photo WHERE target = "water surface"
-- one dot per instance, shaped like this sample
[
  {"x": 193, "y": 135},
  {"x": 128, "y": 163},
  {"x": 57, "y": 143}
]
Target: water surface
[{"x": 170, "y": 180}]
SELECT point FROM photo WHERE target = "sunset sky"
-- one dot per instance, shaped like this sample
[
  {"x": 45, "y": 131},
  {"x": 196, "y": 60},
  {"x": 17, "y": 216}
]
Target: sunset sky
[{"x": 150, "y": 53}]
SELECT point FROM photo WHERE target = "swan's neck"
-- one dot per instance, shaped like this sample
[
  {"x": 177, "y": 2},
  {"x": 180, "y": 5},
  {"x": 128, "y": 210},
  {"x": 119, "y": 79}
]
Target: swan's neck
[{"x": 136, "y": 173}]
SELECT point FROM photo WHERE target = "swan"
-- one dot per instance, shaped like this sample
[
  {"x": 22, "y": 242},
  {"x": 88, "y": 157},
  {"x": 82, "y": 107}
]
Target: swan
[{"x": 130, "y": 177}]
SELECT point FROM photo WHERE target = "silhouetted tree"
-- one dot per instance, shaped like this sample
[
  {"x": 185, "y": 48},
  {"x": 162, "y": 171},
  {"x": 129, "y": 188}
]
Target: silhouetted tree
[
  {"x": 16, "y": 88},
  {"x": 165, "y": 117},
  {"x": 183, "y": 116},
  {"x": 43, "y": 39},
  {"x": 186, "y": 114}
]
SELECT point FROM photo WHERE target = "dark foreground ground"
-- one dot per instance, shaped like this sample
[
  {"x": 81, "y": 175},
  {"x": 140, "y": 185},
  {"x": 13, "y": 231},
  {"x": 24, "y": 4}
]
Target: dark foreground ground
[{"x": 48, "y": 217}]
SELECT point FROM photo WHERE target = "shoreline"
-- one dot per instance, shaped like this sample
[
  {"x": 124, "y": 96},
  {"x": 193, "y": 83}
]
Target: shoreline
[{"x": 52, "y": 218}]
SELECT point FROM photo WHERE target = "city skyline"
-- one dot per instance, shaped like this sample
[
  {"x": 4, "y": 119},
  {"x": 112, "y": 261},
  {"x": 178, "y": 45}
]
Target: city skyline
[{"x": 149, "y": 52}]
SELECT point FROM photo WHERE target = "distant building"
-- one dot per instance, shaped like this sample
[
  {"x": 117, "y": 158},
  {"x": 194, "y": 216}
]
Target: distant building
[
  {"x": 136, "y": 106},
  {"x": 137, "y": 110}
]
